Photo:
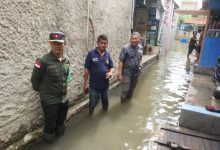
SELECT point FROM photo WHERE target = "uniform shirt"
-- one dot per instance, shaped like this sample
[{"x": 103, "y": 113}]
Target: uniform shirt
[
  {"x": 131, "y": 58},
  {"x": 49, "y": 77},
  {"x": 98, "y": 67}
]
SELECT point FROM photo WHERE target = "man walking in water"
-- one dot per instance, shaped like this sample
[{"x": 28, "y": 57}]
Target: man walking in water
[
  {"x": 129, "y": 66},
  {"x": 192, "y": 43},
  {"x": 99, "y": 66}
]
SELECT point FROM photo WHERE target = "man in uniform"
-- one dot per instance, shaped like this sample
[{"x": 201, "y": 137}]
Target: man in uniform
[
  {"x": 99, "y": 66},
  {"x": 49, "y": 78},
  {"x": 130, "y": 65}
]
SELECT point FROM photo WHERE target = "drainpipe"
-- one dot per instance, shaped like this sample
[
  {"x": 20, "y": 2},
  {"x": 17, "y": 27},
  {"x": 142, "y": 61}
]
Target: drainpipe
[
  {"x": 87, "y": 32},
  {"x": 133, "y": 13}
]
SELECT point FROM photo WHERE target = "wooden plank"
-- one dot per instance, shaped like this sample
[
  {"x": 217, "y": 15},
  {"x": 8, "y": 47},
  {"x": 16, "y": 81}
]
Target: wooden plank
[
  {"x": 200, "y": 144},
  {"x": 164, "y": 135},
  {"x": 175, "y": 137},
  {"x": 196, "y": 143},
  {"x": 206, "y": 144},
  {"x": 188, "y": 138},
  {"x": 194, "y": 134},
  {"x": 198, "y": 133},
  {"x": 187, "y": 141},
  {"x": 168, "y": 136},
  {"x": 161, "y": 137},
  {"x": 215, "y": 145},
  {"x": 182, "y": 138},
  {"x": 165, "y": 139},
  {"x": 162, "y": 147}
]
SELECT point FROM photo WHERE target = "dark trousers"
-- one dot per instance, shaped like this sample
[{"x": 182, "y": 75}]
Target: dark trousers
[
  {"x": 94, "y": 96},
  {"x": 128, "y": 86},
  {"x": 198, "y": 49},
  {"x": 54, "y": 115},
  {"x": 190, "y": 50}
]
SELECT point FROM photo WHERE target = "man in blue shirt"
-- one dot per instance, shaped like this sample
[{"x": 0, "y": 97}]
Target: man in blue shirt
[{"x": 98, "y": 68}]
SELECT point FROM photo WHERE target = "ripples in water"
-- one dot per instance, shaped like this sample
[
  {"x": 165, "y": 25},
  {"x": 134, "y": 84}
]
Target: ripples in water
[{"x": 172, "y": 75}]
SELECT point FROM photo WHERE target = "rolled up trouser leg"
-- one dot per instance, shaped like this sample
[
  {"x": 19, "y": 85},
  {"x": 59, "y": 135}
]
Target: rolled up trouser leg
[{"x": 125, "y": 86}]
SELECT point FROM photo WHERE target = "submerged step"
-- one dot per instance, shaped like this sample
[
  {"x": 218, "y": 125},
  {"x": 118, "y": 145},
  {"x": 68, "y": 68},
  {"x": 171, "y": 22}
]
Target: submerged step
[{"x": 198, "y": 118}]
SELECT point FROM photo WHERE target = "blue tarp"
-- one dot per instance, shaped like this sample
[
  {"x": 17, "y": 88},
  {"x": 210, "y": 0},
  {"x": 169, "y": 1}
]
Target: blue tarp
[
  {"x": 214, "y": 4},
  {"x": 211, "y": 51}
]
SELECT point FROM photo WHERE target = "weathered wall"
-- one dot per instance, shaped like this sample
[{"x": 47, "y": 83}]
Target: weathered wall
[
  {"x": 113, "y": 18},
  {"x": 24, "y": 29}
]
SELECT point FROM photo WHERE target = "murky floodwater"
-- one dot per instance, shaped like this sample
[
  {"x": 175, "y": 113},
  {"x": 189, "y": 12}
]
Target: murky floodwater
[{"x": 133, "y": 125}]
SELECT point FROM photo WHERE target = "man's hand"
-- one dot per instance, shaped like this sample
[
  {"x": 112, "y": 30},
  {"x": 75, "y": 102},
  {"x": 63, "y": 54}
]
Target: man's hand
[
  {"x": 108, "y": 75},
  {"x": 85, "y": 89},
  {"x": 120, "y": 77}
]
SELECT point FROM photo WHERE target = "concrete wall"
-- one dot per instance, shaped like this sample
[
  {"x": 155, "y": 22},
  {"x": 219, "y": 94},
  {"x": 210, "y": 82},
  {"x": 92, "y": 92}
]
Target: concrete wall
[
  {"x": 113, "y": 18},
  {"x": 25, "y": 26}
]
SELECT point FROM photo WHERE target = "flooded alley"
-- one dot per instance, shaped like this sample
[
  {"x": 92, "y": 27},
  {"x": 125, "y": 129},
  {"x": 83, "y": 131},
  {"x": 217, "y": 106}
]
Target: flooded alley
[{"x": 133, "y": 125}]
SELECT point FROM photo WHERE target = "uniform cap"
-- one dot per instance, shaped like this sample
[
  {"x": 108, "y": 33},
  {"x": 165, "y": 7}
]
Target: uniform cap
[{"x": 57, "y": 37}]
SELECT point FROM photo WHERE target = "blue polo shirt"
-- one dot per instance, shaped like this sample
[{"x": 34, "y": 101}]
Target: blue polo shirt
[{"x": 98, "y": 67}]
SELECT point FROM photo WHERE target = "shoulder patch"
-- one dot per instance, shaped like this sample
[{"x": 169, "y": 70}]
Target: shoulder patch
[{"x": 37, "y": 64}]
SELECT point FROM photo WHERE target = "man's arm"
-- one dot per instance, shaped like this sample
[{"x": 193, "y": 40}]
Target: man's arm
[
  {"x": 120, "y": 66},
  {"x": 87, "y": 66},
  {"x": 141, "y": 62},
  {"x": 110, "y": 73},
  {"x": 122, "y": 58},
  {"x": 37, "y": 74},
  {"x": 85, "y": 84}
]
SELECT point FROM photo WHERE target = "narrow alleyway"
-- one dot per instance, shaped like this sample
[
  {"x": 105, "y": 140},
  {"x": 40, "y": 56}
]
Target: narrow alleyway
[{"x": 133, "y": 125}]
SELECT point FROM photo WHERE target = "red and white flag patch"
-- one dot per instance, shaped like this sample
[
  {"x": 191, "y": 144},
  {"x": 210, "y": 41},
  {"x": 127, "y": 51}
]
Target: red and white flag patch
[{"x": 37, "y": 64}]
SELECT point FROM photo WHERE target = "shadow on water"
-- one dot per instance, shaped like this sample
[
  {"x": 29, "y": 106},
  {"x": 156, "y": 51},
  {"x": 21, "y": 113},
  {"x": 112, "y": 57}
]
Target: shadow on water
[{"x": 133, "y": 125}]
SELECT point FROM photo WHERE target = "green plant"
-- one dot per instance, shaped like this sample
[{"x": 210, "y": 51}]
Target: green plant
[{"x": 182, "y": 18}]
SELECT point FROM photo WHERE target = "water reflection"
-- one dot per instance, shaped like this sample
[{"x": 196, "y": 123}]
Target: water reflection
[
  {"x": 134, "y": 125},
  {"x": 170, "y": 75}
]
